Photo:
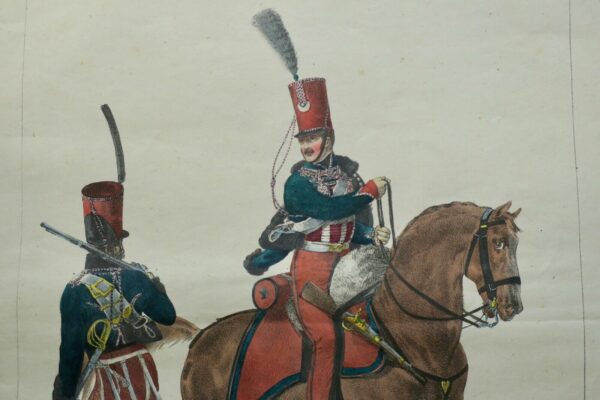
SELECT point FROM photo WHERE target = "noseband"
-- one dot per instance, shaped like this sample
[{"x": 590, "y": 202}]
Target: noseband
[{"x": 490, "y": 285}]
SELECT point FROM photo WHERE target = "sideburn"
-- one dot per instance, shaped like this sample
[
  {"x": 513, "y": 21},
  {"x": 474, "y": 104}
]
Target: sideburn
[{"x": 326, "y": 138}]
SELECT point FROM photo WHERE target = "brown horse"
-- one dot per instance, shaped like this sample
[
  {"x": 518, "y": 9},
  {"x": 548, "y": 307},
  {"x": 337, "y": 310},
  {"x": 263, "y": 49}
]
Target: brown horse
[{"x": 417, "y": 307}]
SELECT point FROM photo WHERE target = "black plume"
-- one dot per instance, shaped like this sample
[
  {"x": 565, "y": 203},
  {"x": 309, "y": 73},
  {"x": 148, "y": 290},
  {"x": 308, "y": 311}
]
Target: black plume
[{"x": 271, "y": 25}]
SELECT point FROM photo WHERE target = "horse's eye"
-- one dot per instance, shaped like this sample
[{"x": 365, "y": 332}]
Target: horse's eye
[{"x": 499, "y": 245}]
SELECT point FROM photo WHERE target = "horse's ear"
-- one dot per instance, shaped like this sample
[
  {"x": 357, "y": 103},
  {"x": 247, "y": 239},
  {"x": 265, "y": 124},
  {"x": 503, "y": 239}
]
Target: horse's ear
[
  {"x": 503, "y": 208},
  {"x": 516, "y": 213}
]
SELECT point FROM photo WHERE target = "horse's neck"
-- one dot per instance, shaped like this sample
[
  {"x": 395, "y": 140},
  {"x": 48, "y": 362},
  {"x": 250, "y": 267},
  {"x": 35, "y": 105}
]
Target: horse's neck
[{"x": 436, "y": 271}]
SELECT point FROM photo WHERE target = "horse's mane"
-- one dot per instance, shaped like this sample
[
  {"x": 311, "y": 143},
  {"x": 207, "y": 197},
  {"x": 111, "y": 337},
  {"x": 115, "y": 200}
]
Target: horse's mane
[
  {"x": 455, "y": 204},
  {"x": 432, "y": 209},
  {"x": 447, "y": 225}
]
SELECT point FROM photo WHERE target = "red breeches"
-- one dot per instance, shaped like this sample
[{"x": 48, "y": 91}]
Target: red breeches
[
  {"x": 128, "y": 373},
  {"x": 317, "y": 268}
]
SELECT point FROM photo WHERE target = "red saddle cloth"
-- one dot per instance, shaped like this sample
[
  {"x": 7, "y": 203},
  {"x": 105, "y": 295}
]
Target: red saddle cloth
[{"x": 270, "y": 357}]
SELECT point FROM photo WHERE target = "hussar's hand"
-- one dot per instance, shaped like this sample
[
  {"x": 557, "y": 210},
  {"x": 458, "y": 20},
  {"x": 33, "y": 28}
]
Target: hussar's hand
[
  {"x": 381, "y": 182},
  {"x": 381, "y": 235},
  {"x": 249, "y": 265}
]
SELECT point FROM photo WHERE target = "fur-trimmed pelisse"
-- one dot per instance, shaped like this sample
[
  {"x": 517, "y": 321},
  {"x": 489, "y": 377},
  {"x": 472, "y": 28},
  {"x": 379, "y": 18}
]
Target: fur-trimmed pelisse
[{"x": 358, "y": 273}]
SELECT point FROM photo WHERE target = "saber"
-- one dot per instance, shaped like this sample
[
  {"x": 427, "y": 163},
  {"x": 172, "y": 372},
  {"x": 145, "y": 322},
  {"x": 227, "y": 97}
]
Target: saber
[
  {"x": 93, "y": 362},
  {"x": 353, "y": 322},
  {"x": 114, "y": 132},
  {"x": 87, "y": 371},
  {"x": 94, "y": 250}
]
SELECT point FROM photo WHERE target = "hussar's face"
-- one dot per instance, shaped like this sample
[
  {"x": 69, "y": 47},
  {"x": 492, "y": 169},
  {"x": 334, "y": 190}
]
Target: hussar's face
[{"x": 311, "y": 147}]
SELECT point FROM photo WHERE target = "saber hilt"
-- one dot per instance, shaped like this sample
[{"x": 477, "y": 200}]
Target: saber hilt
[
  {"x": 355, "y": 323},
  {"x": 323, "y": 300}
]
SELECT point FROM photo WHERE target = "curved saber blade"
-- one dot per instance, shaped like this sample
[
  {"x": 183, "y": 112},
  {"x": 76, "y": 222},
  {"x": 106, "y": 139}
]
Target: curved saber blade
[
  {"x": 89, "y": 368},
  {"x": 114, "y": 132}
]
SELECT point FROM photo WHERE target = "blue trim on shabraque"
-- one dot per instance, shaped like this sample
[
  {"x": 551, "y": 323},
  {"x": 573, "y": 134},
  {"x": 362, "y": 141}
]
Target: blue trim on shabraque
[
  {"x": 240, "y": 361},
  {"x": 281, "y": 386},
  {"x": 291, "y": 380}
]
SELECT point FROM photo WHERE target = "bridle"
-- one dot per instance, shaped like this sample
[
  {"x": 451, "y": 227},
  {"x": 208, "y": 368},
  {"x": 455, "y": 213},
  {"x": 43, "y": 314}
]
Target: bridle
[
  {"x": 489, "y": 317},
  {"x": 490, "y": 285}
]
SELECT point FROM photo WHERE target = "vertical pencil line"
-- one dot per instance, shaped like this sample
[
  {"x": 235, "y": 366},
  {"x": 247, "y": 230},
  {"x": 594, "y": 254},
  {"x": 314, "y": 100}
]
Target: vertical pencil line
[
  {"x": 578, "y": 201},
  {"x": 17, "y": 325}
]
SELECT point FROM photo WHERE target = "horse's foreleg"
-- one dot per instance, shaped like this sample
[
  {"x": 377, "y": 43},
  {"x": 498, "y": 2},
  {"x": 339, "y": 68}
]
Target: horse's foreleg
[
  {"x": 390, "y": 383},
  {"x": 457, "y": 392}
]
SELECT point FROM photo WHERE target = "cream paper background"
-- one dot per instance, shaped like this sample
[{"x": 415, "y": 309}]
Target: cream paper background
[{"x": 467, "y": 101}]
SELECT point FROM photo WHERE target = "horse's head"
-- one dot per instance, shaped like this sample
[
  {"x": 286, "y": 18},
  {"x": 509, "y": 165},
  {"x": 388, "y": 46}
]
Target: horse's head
[{"x": 498, "y": 238}]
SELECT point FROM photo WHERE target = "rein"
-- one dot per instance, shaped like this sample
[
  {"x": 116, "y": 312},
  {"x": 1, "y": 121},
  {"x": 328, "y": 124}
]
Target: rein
[
  {"x": 391, "y": 212},
  {"x": 452, "y": 315},
  {"x": 490, "y": 285}
]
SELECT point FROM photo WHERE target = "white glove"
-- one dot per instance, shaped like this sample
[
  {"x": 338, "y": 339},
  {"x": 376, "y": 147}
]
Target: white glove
[{"x": 381, "y": 235}]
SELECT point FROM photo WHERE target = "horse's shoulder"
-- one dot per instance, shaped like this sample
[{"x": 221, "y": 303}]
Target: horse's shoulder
[{"x": 240, "y": 317}]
